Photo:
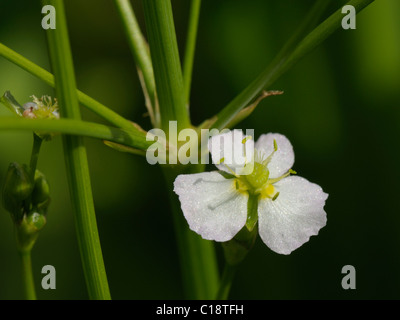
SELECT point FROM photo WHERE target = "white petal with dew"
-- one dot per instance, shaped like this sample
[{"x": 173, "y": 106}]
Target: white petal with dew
[
  {"x": 283, "y": 158},
  {"x": 211, "y": 205},
  {"x": 232, "y": 152},
  {"x": 298, "y": 213}
]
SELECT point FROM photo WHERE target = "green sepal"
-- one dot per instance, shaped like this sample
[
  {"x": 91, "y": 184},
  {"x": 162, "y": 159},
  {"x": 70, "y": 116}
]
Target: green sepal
[
  {"x": 235, "y": 250},
  {"x": 9, "y": 101}
]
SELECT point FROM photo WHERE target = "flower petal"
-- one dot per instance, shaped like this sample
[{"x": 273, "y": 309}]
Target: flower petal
[
  {"x": 232, "y": 152},
  {"x": 283, "y": 158},
  {"x": 289, "y": 221},
  {"x": 211, "y": 205}
]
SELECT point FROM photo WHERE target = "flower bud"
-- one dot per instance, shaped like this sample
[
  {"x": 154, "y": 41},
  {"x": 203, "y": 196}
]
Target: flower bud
[
  {"x": 41, "y": 191},
  {"x": 35, "y": 221},
  {"x": 28, "y": 230},
  {"x": 18, "y": 182},
  {"x": 17, "y": 188}
]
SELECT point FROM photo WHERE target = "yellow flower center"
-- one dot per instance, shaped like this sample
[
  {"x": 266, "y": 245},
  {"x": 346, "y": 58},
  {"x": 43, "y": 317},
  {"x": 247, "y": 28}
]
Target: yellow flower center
[
  {"x": 268, "y": 191},
  {"x": 258, "y": 182}
]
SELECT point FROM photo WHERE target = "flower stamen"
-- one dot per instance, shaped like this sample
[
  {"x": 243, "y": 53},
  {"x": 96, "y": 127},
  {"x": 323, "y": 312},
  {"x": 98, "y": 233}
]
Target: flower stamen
[
  {"x": 222, "y": 161},
  {"x": 282, "y": 176},
  {"x": 268, "y": 160}
]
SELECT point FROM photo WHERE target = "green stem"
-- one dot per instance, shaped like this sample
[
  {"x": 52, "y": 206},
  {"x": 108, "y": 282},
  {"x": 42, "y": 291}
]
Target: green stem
[
  {"x": 166, "y": 63},
  {"x": 90, "y": 103},
  {"x": 190, "y": 47},
  {"x": 76, "y": 159},
  {"x": 139, "y": 49},
  {"x": 226, "y": 282},
  {"x": 130, "y": 138},
  {"x": 37, "y": 143},
  {"x": 197, "y": 256},
  {"x": 283, "y": 62},
  {"x": 309, "y": 22},
  {"x": 27, "y": 275}
]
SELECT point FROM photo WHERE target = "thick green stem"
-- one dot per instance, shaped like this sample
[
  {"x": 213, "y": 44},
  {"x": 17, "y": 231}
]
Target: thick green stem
[
  {"x": 27, "y": 275},
  {"x": 166, "y": 63},
  {"x": 197, "y": 256},
  {"x": 76, "y": 158},
  {"x": 190, "y": 47}
]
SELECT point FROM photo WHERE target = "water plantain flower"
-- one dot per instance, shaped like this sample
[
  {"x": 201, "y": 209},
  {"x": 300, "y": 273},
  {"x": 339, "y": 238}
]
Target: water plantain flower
[
  {"x": 40, "y": 108},
  {"x": 218, "y": 205}
]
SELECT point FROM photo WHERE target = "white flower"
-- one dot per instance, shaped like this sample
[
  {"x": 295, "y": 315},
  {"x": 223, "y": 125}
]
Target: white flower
[{"x": 290, "y": 208}]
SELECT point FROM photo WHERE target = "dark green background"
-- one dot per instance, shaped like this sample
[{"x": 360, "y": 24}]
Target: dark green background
[{"x": 340, "y": 110}]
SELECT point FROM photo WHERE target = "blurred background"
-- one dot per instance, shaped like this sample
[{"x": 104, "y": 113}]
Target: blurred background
[{"x": 340, "y": 110}]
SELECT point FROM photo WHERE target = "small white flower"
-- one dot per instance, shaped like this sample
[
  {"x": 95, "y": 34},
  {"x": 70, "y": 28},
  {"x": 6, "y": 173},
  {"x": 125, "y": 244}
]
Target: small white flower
[
  {"x": 290, "y": 208},
  {"x": 43, "y": 108}
]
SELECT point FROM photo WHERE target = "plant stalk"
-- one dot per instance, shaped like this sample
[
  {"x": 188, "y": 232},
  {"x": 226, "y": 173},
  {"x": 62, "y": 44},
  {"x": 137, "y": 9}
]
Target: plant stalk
[
  {"x": 76, "y": 159},
  {"x": 190, "y": 47},
  {"x": 226, "y": 282},
  {"x": 166, "y": 63},
  {"x": 27, "y": 275}
]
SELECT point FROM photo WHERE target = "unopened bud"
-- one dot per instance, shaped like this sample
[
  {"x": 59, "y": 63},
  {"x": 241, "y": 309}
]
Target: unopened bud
[
  {"x": 18, "y": 187},
  {"x": 28, "y": 230},
  {"x": 41, "y": 191},
  {"x": 35, "y": 221}
]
